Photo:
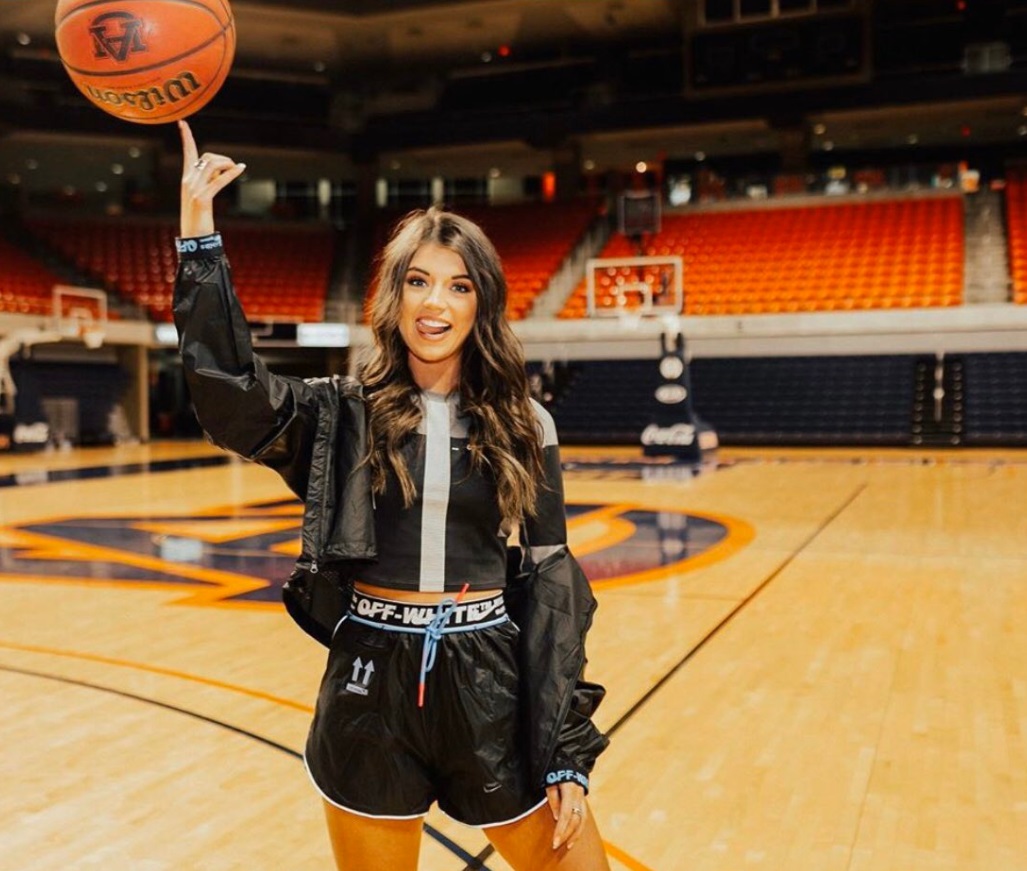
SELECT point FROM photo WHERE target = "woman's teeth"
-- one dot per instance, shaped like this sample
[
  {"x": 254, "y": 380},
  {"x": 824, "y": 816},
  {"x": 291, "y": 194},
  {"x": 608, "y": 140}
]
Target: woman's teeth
[{"x": 431, "y": 327}]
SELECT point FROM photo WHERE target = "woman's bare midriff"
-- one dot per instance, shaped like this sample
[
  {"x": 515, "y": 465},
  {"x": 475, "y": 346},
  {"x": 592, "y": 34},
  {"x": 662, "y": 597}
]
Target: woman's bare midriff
[{"x": 418, "y": 596}]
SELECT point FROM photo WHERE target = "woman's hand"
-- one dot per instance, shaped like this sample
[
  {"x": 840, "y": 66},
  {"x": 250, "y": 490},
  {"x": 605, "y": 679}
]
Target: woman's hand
[
  {"x": 202, "y": 179},
  {"x": 567, "y": 802}
]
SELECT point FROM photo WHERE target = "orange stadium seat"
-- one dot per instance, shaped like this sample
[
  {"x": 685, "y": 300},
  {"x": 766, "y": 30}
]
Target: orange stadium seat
[
  {"x": 899, "y": 253},
  {"x": 281, "y": 273},
  {"x": 26, "y": 285},
  {"x": 1016, "y": 223}
]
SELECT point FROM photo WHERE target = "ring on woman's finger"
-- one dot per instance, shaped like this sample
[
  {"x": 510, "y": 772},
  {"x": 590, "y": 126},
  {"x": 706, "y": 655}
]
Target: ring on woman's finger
[
  {"x": 578, "y": 811},
  {"x": 200, "y": 163}
]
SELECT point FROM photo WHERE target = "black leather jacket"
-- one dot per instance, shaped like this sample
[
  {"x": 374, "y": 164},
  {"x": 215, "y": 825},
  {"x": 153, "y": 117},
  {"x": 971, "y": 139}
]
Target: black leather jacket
[{"x": 313, "y": 433}]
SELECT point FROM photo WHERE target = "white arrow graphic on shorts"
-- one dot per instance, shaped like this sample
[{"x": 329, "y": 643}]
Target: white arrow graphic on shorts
[{"x": 368, "y": 671}]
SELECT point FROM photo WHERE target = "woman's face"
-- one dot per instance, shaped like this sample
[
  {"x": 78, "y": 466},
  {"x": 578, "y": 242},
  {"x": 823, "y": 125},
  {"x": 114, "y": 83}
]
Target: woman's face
[{"x": 437, "y": 314}]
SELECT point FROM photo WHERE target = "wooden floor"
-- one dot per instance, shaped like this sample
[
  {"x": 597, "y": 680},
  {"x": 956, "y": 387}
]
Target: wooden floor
[{"x": 815, "y": 661}]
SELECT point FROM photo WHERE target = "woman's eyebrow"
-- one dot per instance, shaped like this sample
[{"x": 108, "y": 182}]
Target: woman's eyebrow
[{"x": 426, "y": 272}]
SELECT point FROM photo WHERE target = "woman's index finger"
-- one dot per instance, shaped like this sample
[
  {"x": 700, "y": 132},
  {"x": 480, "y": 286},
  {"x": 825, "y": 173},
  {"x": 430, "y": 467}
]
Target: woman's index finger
[{"x": 189, "y": 151}]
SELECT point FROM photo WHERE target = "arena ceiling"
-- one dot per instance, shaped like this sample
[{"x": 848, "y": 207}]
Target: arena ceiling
[
  {"x": 333, "y": 38},
  {"x": 414, "y": 84}
]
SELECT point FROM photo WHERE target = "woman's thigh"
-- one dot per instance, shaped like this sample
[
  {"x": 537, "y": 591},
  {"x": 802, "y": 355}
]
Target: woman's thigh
[
  {"x": 527, "y": 844},
  {"x": 368, "y": 844}
]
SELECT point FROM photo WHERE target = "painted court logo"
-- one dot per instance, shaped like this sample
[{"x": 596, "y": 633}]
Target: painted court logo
[
  {"x": 116, "y": 35},
  {"x": 243, "y": 553}
]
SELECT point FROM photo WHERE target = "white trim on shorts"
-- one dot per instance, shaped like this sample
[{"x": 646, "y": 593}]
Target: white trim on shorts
[
  {"x": 350, "y": 810},
  {"x": 416, "y": 816}
]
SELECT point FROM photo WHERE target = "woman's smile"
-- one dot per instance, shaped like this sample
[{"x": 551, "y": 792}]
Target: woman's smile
[{"x": 432, "y": 328}]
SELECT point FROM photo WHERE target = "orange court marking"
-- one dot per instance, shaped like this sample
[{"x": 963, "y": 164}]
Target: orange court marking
[
  {"x": 157, "y": 669},
  {"x": 612, "y": 850},
  {"x": 220, "y": 584},
  {"x": 739, "y": 534},
  {"x": 622, "y": 857},
  {"x": 215, "y": 531},
  {"x": 615, "y": 529}
]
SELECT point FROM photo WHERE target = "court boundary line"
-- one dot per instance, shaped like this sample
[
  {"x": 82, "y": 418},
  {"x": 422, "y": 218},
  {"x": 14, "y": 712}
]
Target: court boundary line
[
  {"x": 473, "y": 863},
  {"x": 637, "y": 706},
  {"x": 430, "y": 830}
]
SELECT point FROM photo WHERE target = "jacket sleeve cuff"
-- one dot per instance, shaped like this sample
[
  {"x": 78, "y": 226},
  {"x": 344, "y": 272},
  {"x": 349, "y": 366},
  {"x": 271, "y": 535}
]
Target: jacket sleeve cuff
[
  {"x": 200, "y": 247},
  {"x": 567, "y": 775}
]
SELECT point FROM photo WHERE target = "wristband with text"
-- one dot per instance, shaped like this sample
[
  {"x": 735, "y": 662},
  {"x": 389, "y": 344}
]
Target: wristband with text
[
  {"x": 197, "y": 247},
  {"x": 567, "y": 775}
]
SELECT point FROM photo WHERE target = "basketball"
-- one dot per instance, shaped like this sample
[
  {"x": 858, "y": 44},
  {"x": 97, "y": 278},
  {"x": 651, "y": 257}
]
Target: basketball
[{"x": 146, "y": 61}]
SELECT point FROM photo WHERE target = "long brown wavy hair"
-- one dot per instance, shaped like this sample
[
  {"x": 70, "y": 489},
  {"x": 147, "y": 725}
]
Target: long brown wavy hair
[{"x": 505, "y": 435}]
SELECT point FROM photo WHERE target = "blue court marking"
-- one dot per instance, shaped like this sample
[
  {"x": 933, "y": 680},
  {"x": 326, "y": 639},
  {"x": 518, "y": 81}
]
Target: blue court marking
[{"x": 31, "y": 477}]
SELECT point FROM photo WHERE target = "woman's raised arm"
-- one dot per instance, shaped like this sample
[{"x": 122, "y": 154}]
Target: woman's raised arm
[{"x": 240, "y": 404}]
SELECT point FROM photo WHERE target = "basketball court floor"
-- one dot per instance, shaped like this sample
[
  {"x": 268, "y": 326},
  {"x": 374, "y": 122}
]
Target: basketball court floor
[{"x": 815, "y": 661}]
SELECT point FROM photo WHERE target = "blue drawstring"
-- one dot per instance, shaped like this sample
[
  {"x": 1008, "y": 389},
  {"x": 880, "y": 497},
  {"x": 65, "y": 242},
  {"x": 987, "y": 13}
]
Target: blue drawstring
[{"x": 432, "y": 634}]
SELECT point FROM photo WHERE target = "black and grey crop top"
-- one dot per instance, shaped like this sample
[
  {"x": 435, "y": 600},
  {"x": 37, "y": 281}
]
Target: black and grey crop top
[{"x": 451, "y": 534}]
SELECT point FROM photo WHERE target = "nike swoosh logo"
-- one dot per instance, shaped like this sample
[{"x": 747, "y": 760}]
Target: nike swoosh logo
[{"x": 492, "y": 787}]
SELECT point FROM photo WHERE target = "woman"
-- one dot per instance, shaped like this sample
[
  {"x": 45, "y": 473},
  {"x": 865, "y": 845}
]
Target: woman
[{"x": 412, "y": 480}]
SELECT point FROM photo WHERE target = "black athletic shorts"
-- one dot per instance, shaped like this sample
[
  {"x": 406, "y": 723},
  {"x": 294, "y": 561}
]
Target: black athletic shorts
[{"x": 373, "y": 750}]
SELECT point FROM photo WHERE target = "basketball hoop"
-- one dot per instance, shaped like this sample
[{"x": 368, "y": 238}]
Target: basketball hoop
[
  {"x": 80, "y": 314},
  {"x": 650, "y": 286}
]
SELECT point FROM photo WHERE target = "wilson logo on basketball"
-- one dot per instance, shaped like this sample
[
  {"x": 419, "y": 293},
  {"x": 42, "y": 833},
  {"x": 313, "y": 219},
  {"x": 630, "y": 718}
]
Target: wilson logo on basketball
[
  {"x": 148, "y": 99},
  {"x": 116, "y": 35}
]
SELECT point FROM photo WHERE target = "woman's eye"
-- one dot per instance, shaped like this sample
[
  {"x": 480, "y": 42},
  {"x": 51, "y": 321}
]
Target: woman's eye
[
  {"x": 462, "y": 288},
  {"x": 415, "y": 280}
]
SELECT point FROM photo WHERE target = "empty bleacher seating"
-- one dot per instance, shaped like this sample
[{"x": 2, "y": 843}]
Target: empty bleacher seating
[
  {"x": 26, "y": 285},
  {"x": 93, "y": 391},
  {"x": 807, "y": 400},
  {"x": 533, "y": 239},
  {"x": 1016, "y": 226},
  {"x": 785, "y": 400},
  {"x": 902, "y": 253},
  {"x": 281, "y": 273},
  {"x": 995, "y": 387}
]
